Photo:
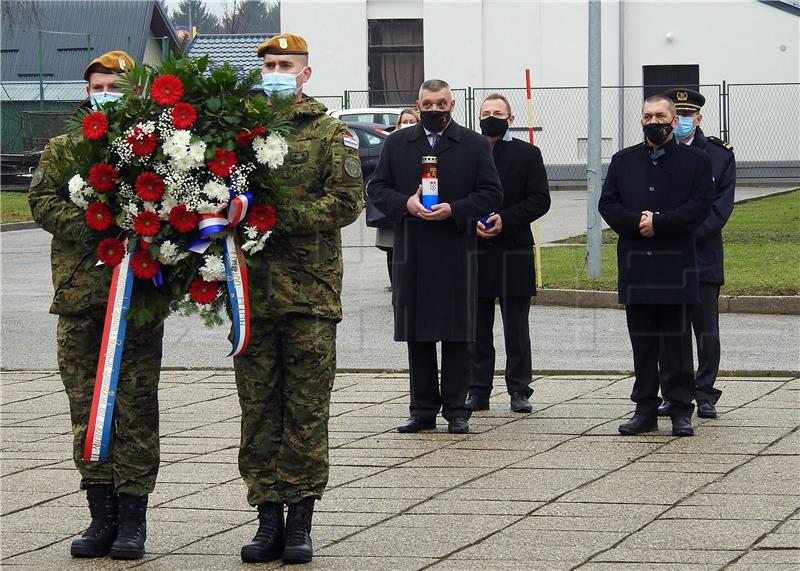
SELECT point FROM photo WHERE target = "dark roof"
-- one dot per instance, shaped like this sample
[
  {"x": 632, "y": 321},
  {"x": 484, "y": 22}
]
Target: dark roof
[
  {"x": 67, "y": 27},
  {"x": 237, "y": 49}
]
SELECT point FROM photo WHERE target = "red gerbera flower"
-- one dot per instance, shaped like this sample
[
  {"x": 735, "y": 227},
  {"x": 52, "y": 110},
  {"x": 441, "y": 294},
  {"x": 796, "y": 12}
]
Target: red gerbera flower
[
  {"x": 110, "y": 251},
  {"x": 98, "y": 216},
  {"x": 146, "y": 223},
  {"x": 149, "y": 186},
  {"x": 144, "y": 267},
  {"x": 262, "y": 217},
  {"x": 203, "y": 292},
  {"x": 182, "y": 220},
  {"x": 222, "y": 163},
  {"x": 183, "y": 115},
  {"x": 167, "y": 90},
  {"x": 102, "y": 176},
  {"x": 94, "y": 126},
  {"x": 244, "y": 138},
  {"x": 142, "y": 144}
]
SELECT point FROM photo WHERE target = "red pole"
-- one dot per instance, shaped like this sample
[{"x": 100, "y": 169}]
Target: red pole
[{"x": 530, "y": 104}]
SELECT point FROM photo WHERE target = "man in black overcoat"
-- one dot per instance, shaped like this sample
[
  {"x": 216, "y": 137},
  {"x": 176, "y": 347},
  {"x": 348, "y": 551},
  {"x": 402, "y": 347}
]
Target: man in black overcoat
[
  {"x": 434, "y": 284},
  {"x": 655, "y": 195},
  {"x": 506, "y": 268},
  {"x": 708, "y": 236}
]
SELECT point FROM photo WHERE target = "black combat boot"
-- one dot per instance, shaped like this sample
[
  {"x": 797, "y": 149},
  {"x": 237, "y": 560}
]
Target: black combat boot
[
  {"x": 97, "y": 539},
  {"x": 298, "y": 532},
  {"x": 268, "y": 542},
  {"x": 132, "y": 528}
]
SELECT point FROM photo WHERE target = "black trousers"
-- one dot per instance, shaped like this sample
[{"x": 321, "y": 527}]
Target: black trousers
[
  {"x": 705, "y": 323},
  {"x": 661, "y": 339},
  {"x": 516, "y": 334},
  {"x": 425, "y": 397}
]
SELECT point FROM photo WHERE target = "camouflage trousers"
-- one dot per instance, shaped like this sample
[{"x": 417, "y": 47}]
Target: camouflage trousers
[
  {"x": 284, "y": 379},
  {"x": 133, "y": 457}
]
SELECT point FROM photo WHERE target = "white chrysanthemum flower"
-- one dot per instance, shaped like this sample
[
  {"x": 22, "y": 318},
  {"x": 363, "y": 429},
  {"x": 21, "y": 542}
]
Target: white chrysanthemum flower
[
  {"x": 213, "y": 269},
  {"x": 197, "y": 151},
  {"x": 254, "y": 246},
  {"x": 216, "y": 191},
  {"x": 79, "y": 199},
  {"x": 183, "y": 162},
  {"x": 76, "y": 183},
  {"x": 170, "y": 148},
  {"x": 205, "y": 207},
  {"x": 250, "y": 232},
  {"x": 149, "y": 206},
  {"x": 182, "y": 137},
  {"x": 167, "y": 252}
]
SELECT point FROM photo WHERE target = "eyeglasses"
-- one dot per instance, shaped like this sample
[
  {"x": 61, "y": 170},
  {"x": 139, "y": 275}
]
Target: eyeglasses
[{"x": 497, "y": 114}]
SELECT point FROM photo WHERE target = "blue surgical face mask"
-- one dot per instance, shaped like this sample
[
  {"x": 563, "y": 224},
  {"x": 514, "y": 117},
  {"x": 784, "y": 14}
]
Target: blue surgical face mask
[
  {"x": 104, "y": 97},
  {"x": 283, "y": 85},
  {"x": 685, "y": 127}
]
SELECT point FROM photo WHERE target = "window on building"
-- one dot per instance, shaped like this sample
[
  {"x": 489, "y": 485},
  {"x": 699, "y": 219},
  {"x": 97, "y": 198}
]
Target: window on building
[
  {"x": 396, "y": 61},
  {"x": 659, "y": 78}
]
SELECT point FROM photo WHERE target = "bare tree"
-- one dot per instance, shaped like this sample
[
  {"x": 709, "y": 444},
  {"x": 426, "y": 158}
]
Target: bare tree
[
  {"x": 250, "y": 17},
  {"x": 17, "y": 12}
]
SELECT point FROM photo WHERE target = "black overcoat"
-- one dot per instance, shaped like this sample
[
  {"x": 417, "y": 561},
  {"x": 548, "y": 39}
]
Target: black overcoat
[
  {"x": 434, "y": 283},
  {"x": 709, "y": 233},
  {"x": 678, "y": 187},
  {"x": 505, "y": 262}
]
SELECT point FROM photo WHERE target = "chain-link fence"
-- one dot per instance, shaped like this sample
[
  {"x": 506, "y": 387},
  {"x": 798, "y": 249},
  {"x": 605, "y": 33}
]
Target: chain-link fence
[{"x": 764, "y": 129}]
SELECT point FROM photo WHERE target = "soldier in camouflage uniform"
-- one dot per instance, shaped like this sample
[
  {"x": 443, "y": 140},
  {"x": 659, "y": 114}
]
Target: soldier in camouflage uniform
[
  {"x": 286, "y": 374},
  {"x": 116, "y": 489}
]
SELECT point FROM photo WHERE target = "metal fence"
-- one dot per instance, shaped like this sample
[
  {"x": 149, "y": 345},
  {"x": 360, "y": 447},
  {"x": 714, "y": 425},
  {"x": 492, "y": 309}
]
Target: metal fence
[{"x": 761, "y": 121}]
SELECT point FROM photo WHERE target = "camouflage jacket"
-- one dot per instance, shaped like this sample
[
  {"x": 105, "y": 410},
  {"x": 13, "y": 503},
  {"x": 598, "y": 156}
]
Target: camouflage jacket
[
  {"x": 300, "y": 269},
  {"x": 80, "y": 286}
]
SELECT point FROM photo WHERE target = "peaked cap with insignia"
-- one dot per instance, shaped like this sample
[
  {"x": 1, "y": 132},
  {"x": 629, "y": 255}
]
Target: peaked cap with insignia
[
  {"x": 115, "y": 61},
  {"x": 686, "y": 99},
  {"x": 286, "y": 44}
]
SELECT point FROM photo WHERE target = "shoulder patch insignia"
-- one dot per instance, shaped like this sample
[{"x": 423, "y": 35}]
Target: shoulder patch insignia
[
  {"x": 350, "y": 140},
  {"x": 720, "y": 142},
  {"x": 352, "y": 166},
  {"x": 37, "y": 178}
]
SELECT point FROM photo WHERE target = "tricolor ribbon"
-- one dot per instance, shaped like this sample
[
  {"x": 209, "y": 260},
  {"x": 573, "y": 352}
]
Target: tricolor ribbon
[
  {"x": 101, "y": 417},
  {"x": 209, "y": 224},
  {"x": 238, "y": 207},
  {"x": 236, "y": 279}
]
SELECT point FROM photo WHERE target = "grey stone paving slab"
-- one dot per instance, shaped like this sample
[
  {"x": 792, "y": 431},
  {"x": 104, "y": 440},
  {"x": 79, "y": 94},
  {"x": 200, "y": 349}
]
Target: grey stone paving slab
[
  {"x": 641, "y": 487},
  {"x": 476, "y": 507},
  {"x": 589, "y": 455},
  {"x": 786, "y": 536},
  {"x": 504, "y": 565},
  {"x": 788, "y": 445},
  {"x": 749, "y": 416},
  {"x": 649, "y": 567},
  {"x": 517, "y": 543},
  {"x": 675, "y": 555},
  {"x": 771, "y": 559},
  {"x": 568, "y": 516},
  {"x": 698, "y": 534},
  {"x": 358, "y": 563},
  {"x": 735, "y": 507},
  {"x": 774, "y": 474},
  {"x": 541, "y": 485}
]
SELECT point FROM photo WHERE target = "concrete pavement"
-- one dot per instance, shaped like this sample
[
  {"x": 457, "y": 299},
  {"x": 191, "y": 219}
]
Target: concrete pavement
[{"x": 555, "y": 489}]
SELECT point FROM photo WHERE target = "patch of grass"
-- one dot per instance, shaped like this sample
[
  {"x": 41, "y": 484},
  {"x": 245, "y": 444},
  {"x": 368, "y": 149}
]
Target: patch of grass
[
  {"x": 762, "y": 252},
  {"x": 14, "y": 207}
]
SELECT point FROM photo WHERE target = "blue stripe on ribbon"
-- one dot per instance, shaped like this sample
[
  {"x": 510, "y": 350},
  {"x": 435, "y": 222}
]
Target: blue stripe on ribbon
[
  {"x": 112, "y": 384},
  {"x": 199, "y": 246}
]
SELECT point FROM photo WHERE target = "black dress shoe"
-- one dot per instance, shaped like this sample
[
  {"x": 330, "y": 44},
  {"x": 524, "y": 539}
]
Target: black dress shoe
[
  {"x": 706, "y": 409},
  {"x": 417, "y": 423},
  {"x": 474, "y": 402},
  {"x": 664, "y": 409},
  {"x": 638, "y": 424},
  {"x": 519, "y": 403},
  {"x": 458, "y": 426},
  {"x": 682, "y": 426}
]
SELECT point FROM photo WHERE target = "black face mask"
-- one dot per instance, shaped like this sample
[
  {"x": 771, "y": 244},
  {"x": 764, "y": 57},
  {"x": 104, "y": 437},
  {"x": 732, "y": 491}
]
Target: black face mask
[
  {"x": 657, "y": 133},
  {"x": 434, "y": 121},
  {"x": 494, "y": 127}
]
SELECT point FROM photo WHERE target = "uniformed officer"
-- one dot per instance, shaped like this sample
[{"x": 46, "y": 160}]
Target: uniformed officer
[
  {"x": 655, "y": 195},
  {"x": 286, "y": 374},
  {"x": 708, "y": 236},
  {"x": 116, "y": 489},
  {"x": 505, "y": 260}
]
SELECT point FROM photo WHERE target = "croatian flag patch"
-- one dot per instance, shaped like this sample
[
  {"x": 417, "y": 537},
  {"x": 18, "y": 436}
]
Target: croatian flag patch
[{"x": 350, "y": 140}]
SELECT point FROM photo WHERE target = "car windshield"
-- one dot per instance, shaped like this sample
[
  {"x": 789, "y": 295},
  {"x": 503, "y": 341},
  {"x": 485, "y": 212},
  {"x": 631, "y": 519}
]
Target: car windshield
[{"x": 388, "y": 119}]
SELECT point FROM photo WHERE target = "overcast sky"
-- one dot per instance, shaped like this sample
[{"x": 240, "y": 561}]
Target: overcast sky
[{"x": 214, "y": 6}]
